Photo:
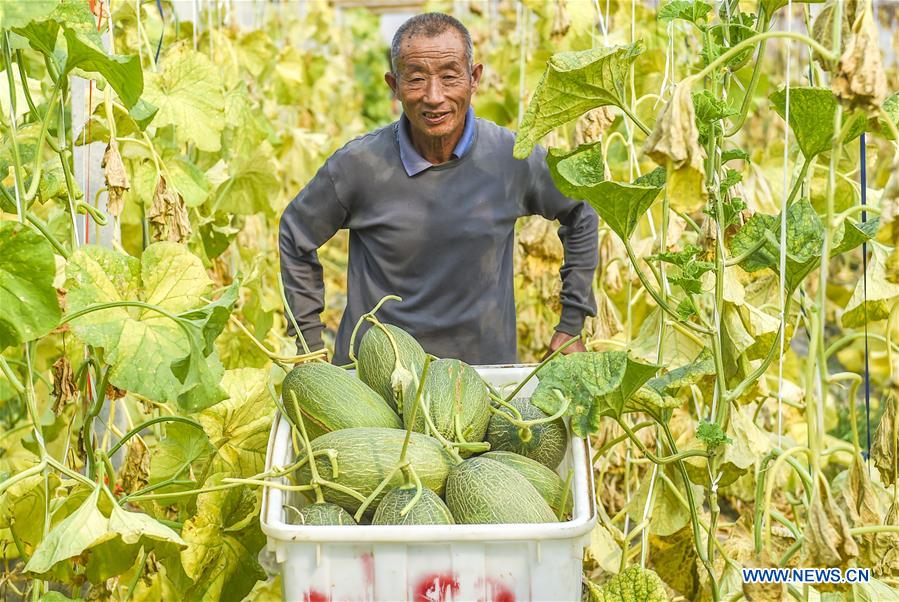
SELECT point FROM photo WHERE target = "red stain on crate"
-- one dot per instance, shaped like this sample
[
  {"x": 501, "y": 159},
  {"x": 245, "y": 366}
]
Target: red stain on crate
[
  {"x": 436, "y": 587},
  {"x": 496, "y": 591},
  {"x": 501, "y": 594},
  {"x": 314, "y": 596},
  {"x": 368, "y": 569}
]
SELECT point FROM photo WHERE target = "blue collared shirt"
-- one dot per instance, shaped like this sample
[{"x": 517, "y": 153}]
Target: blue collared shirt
[{"x": 413, "y": 162}]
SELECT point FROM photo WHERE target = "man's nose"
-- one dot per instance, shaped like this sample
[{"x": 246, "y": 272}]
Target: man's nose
[{"x": 434, "y": 91}]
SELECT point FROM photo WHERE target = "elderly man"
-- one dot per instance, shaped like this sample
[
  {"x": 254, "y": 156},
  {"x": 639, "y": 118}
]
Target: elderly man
[{"x": 431, "y": 203}]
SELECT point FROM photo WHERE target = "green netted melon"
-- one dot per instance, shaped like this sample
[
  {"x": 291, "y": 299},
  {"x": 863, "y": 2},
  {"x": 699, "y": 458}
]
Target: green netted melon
[
  {"x": 546, "y": 481},
  {"x": 330, "y": 399},
  {"x": 428, "y": 510},
  {"x": 324, "y": 514},
  {"x": 484, "y": 491},
  {"x": 453, "y": 389},
  {"x": 547, "y": 444},
  {"x": 366, "y": 455},
  {"x": 375, "y": 361}
]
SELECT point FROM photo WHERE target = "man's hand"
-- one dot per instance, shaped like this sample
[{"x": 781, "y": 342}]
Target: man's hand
[{"x": 559, "y": 339}]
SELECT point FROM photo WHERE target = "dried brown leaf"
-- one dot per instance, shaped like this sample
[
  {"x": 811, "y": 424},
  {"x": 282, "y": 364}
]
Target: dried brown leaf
[
  {"x": 116, "y": 179},
  {"x": 591, "y": 125},
  {"x": 674, "y": 144},
  {"x": 561, "y": 21},
  {"x": 828, "y": 541},
  {"x": 135, "y": 473},
  {"x": 64, "y": 387},
  {"x": 886, "y": 440},
  {"x": 606, "y": 324},
  {"x": 674, "y": 559},
  {"x": 860, "y": 80},
  {"x": 822, "y": 28},
  {"x": 538, "y": 238},
  {"x": 886, "y": 551},
  {"x": 168, "y": 215}
]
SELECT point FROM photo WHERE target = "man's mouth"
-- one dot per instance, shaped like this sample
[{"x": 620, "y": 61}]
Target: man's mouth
[{"x": 435, "y": 117}]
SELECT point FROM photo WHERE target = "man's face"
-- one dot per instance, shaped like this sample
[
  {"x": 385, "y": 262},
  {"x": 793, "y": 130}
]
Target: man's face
[{"x": 434, "y": 84}]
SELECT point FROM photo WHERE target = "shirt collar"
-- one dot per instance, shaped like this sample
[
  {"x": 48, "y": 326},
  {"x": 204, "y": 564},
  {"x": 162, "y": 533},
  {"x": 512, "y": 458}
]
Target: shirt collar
[{"x": 413, "y": 162}]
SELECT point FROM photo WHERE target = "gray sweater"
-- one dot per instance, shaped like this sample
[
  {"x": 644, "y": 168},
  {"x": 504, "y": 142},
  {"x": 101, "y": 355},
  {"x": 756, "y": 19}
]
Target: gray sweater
[{"x": 441, "y": 239}]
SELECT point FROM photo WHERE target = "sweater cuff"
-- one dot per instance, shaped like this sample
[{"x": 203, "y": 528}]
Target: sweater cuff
[{"x": 571, "y": 322}]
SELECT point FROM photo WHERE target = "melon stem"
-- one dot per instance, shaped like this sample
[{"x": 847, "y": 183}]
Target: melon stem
[
  {"x": 526, "y": 424},
  {"x": 418, "y": 492},
  {"x": 362, "y": 318}
]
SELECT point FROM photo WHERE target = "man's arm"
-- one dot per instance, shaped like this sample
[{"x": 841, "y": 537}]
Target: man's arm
[
  {"x": 578, "y": 233},
  {"x": 310, "y": 219}
]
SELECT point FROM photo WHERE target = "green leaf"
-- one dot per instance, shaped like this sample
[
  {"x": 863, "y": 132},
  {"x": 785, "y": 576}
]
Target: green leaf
[
  {"x": 574, "y": 83},
  {"x": 22, "y": 504},
  {"x": 251, "y": 186},
  {"x": 188, "y": 91},
  {"x": 239, "y": 426},
  {"x": 633, "y": 584},
  {"x": 218, "y": 232},
  {"x": 812, "y": 113},
  {"x": 182, "y": 446},
  {"x": 805, "y": 235},
  {"x": 710, "y": 109},
  {"x": 691, "y": 269},
  {"x": 199, "y": 376},
  {"x": 212, "y": 318},
  {"x": 711, "y": 434},
  {"x": 853, "y": 235},
  {"x": 656, "y": 178},
  {"x": 871, "y": 303},
  {"x": 771, "y": 6},
  {"x": 595, "y": 384},
  {"x": 222, "y": 545},
  {"x": 691, "y": 373},
  {"x": 733, "y": 154},
  {"x": 113, "y": 542},
  {"x": 123, "y": 73},
  {"x": 717, "y": 45},
  {"x": 579, "y": 175},
  {"x": 28, "y": 305},
  {"x": 16, "y": 13},
  {"x": 576, "y": 171},
  {"x": 76, "y": 533},
  {"x": 140, "y": 344},
  {"x": 189, "y": 180},
  {"x": 247, "y": 128},
  {"x": 143, "y": 113},
  {"x": 891, "y": 107},
  {"x": 695, "y": 12}
]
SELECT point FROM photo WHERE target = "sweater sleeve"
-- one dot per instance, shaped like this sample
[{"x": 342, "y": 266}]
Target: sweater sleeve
[
  {"x": 578, "y": 233},
  {"x": 309, "y": 221}
]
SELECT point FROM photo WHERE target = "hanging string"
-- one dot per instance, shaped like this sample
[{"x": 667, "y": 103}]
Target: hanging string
[
  {"x": 864, "y": 187},
  {"x": 782, "y": 265},
  {"x": 162, "y": 29}
]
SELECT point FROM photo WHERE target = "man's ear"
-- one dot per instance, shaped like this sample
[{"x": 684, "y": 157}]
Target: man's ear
[
  {"x": 476, "y": 72},
  {"x": 390, "y": 78}
]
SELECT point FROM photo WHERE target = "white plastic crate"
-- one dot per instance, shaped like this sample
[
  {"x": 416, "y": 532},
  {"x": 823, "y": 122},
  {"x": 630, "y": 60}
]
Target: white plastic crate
[{"x": 432, "y": 563}]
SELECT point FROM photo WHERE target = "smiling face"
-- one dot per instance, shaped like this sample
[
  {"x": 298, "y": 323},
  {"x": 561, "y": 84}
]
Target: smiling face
[{"x": 433, "y": 83}]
